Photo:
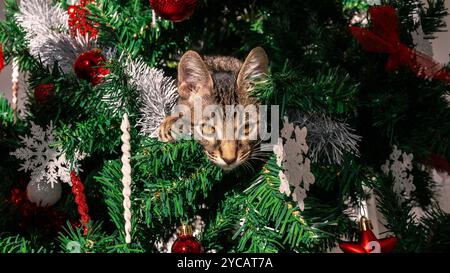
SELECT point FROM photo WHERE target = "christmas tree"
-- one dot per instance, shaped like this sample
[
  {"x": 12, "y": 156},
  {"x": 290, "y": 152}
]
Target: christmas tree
[{"x": 357, "y": 109}]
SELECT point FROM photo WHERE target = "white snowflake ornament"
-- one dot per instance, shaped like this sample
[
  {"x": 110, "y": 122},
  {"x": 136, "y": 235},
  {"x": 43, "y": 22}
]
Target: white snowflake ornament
[
  {"x": 399, "y": 165},
  {"x": 295, "y": 166},
  {"x": 45, "y": 161}
]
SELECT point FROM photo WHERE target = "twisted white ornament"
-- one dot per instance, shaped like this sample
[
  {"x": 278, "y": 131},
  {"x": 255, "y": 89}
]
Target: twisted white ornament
[
  {"x": 15, "y": 87},
  {"x": 126, "y": 175}
]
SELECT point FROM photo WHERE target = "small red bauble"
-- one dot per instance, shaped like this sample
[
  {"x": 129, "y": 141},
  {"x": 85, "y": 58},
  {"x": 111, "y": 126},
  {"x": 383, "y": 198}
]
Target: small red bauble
[
  {"x": 186, "y": 242},
  {"x": 90, "y": 66},
  {"x": 174, "y": 10},
  {"x": 368, "y": 243},
  {"x": 2, "y": 61},
  {"x": 43, "y": 92}
]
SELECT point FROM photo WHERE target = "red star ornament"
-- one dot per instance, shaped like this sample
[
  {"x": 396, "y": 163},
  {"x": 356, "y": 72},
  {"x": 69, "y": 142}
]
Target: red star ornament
[{"x": 368, "y": 242}]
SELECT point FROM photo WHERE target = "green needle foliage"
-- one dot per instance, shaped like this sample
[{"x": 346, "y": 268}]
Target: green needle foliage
[{"x": 316, "y": 68}]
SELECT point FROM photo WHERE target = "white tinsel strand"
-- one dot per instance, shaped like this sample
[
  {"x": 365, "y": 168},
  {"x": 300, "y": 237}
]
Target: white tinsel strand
[
  {"x": 65, "y": 49},
  {"x": 158, "y": 95},
  {"x": 329, "y": 140},
  {"x": 15, "y": 87},
  {"x": 47, "y": 32},
  {"x": 126, "y": 173},
  {"x": 39, "y": 17}
]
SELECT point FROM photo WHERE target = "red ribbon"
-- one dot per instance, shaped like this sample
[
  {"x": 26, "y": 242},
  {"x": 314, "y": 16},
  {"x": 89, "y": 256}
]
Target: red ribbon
[
  {"x": 383, "y": 37},
  {"x": 80, "y": 199},
  {"x": 2, "y": 61}
]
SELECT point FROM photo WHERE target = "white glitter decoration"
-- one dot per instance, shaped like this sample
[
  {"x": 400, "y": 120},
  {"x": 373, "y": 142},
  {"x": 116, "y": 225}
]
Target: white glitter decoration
[
  {"x": 46, "y": 162},
  {"x": 158, "y": 95},
  {"x": 399, "y": 164},
  {"x": 295, "y": 166}
]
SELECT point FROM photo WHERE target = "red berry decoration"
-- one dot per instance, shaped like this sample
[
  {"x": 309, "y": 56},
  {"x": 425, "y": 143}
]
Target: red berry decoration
[
  {"x": 368, "y": 243},
  {"x": 80, "y": 199},
  {"x": 174, "y": 10},
  {"x": 186, "y": 242},
  {"x": 90, "y": 66},
  {"x": 43, "y": 92},
  {"x": 2, "y": 61},
  {"x": 78, "y": 21}
]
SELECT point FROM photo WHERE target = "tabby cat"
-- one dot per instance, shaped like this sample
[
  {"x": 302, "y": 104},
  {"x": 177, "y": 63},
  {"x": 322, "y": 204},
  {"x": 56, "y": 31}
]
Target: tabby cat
[{"x": 220, "y": 81}]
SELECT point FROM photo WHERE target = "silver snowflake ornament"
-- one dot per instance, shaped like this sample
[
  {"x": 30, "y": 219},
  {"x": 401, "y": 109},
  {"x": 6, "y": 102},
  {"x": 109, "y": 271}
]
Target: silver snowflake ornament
[{"x": 46, "y": 161}]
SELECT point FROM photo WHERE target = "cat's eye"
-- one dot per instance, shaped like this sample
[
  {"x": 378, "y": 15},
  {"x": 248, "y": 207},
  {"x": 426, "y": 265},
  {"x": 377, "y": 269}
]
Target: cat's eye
[
  {"x": 209, "y": 130},
  {"x": 246, "y": 127}
]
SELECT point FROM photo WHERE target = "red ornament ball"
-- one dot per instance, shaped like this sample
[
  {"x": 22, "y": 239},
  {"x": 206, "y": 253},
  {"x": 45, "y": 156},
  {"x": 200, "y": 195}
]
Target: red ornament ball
[
  {"x": 43, "y": 92},
  {"x": 174, "y": 10},
  {"x": 186, "y": 242},
  {"x": 90, "y": 66}
]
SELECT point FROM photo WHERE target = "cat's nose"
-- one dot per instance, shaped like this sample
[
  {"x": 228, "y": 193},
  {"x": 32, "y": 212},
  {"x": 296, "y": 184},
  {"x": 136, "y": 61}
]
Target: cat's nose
[
  {"x": 228, "y": 151},
  {"x": 229, "y": 161}
]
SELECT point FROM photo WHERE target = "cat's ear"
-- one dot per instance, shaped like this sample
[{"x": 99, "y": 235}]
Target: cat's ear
[
  {"x": 255, "y": 67},
  {"x": 193, "y": 76}
]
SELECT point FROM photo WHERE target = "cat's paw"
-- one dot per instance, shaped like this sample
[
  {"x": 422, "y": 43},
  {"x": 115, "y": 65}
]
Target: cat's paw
[{"x": 165, "y": 130}]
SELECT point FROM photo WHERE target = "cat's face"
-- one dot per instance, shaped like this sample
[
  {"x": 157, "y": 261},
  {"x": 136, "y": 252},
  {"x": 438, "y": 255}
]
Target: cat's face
[
  {"x": 228, "y": 152},
  {"x": 229, "y": 138}
]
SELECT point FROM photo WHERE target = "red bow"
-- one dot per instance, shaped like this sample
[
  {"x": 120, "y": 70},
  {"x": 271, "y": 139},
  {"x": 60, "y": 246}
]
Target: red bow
[{"x": 383, "y": 37}]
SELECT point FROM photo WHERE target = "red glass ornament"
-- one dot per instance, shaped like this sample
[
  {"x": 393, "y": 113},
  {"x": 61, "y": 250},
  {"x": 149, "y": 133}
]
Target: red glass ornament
[
  {"x": 90, "y": 66},
  {"x": 2, "y": 61},
  {"x": 43, "y": 92},
  {"x": 174, "y": 10},
  {"x": 368, "y": 243},
  {"x": 186, "y": 242},
  {"x": 78, "y": 22}
]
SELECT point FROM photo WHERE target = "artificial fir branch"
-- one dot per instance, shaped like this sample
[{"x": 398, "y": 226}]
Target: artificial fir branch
[{"x": 315, "y": 68}]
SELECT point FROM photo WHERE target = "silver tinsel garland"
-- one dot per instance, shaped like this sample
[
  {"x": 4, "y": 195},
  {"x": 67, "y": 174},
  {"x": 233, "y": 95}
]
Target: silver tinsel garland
[
  {"x": 47, "y": 31},
  {"x": 158, "y": 95},
  {"x": 328, "y": 139}
]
